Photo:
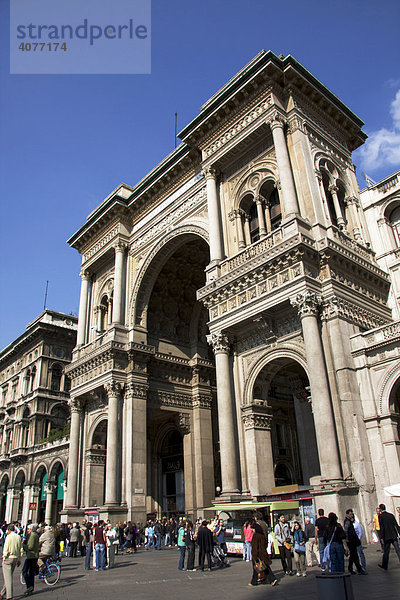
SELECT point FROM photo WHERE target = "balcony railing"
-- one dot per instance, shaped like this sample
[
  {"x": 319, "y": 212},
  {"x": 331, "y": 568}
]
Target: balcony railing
[{"x": 388, "y": 183}]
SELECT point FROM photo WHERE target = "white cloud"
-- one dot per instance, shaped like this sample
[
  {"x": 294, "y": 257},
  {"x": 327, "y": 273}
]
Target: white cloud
[{"x": 382, "y": 148}]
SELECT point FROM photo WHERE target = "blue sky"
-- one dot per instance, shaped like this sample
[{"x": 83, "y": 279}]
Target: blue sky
[{"x": 66, "y": 141}]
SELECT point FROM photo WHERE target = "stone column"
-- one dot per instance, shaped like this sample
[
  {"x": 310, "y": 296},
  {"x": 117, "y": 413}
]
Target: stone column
[
  {"x": 353, "y": 205},
  {"x": 260, "y": 463},
  {"x": 203, "y": 450},
  {"x": 50, "y": 488},
  {"x": 214, "y": 225},
  {"x": 9, "y": 504},
  {"x": 119, "y": 288},
  {"x": 339, "y": 216},
  {"x": 307, "y": 305},
  {"x": 260, "y": 214},
  {"x": 226, "y": 423},
  {"x": 237, "y": 216},
  {"x": 83, "y": 306},
  {"x": 73, "y": 459},
  {"x": 268, "y": 225},
  {"x": 289, "y": 197},
  {"x": 113, "y": 390}
]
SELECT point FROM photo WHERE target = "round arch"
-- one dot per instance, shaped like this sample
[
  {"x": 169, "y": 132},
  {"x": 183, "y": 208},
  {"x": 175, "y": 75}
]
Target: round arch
[
  {"x": 284, "y": 352},
  {"x": 252, "y": 180},
  {"x": 389, "y": 381},
  {"x": 100, "y": 420},
  {"x": 153, "y": 264}
]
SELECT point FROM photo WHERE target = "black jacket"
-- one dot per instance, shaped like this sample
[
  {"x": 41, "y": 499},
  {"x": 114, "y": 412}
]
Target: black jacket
[{"x": 389, "y": 526}]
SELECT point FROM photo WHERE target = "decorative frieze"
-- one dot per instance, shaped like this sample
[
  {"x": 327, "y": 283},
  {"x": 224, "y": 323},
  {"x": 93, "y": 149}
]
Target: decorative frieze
[
  {"x": 170, "y": 399},
  {"x": 256, "y": 416},
  {"x": 136, "y": 390},
  {"x": 238, "y": 126},
  {"x": 202, "y": 402},
  {"x": 103, "y": 241},
  {"x": 337, "y": 307},
  {"x": 183, "y": 422}
]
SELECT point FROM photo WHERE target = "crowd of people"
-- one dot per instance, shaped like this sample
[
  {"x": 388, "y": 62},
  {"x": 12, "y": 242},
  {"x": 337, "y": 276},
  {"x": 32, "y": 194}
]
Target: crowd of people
[{"x": 325, "y": 543}]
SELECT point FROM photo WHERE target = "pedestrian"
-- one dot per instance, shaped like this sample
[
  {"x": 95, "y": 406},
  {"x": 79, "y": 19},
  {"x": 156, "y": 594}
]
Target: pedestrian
[
  {"x": 321, "y": 525},
  {"x": 100, "y": 545},
  {"x": 377, "y": 527},
  {"x": 12, "y": 553},
  {"x": 359, "y": 531},
  {"x": 282, "y": 535},
  {"x": 248, "y": 536},
  {"x": 299, "y": 549},
  {"x": 353, "y": 541},
  {"x": 74, "y": 540},
  {"x": 31, "y": 547},
  {"x": 47, "y": 546},
  {"x": 158, "y": 533},
  {"x": 219, "y": 532},
  {"x": 336, "y": 538},
  {"x": 205, "y": 543},
  {"x": 311, "y": 544},
  {"x": 262, "y": 572},
  {"x": 182, "y": 547},
  {"x": 390, "y": 531},
  {"x": 111, "y": 537},
  {"x": 88, "y": 534},
  {"x": 190, "y": 546},
  {"x": 150, "y": 535}
]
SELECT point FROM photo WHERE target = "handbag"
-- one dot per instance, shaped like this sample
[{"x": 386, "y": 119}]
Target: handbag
[
  {"x": 298, "y": 547},
  {"x": 327, "y": 551},
  {"x": 259, "y": 566}
]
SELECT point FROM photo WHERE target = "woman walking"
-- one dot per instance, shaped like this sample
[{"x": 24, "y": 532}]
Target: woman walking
[
  {"x": 262, "y": 572},
  {"x": 190, "y": 545},
  {"x": 299, "y": 549},
  {"x": 336, "y": 536}
]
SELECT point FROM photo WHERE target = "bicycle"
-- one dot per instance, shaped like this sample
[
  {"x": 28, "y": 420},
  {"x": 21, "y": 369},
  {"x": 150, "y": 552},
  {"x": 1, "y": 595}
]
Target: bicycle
[{"x": 49, "y": 573}]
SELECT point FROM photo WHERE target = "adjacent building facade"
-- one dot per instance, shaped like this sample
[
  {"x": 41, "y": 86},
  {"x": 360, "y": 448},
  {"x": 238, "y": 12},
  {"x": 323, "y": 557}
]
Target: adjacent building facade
[
  {"x": 218, "y": 299},
  {"x": 34, "y": 419}
]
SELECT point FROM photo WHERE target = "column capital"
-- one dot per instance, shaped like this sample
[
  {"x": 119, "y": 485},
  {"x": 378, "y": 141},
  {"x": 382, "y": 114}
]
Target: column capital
[
  {"x": 333, "y": 188},
  {"x": 120, "y": 246},
  {"x": 236, "y": 213},
  {"x": 183, "y": 422},
  {"x": 75, "y": 405},
  {"x": 318, "y": 174},
  {"x": 219, "y": 342},
  {"x": 307, "y": 303},
  {"x": 85, "y": 275},
  {"x": 330, "y": 308},
  {"x": 352, "y": 200},
  {"x": 256, "y": 416},
  {"x": 210, "y": 172},
  {"x": 136, "y": 390},
  {"x": 113, "y": 388},
  {"x": 276, "y": 120}
]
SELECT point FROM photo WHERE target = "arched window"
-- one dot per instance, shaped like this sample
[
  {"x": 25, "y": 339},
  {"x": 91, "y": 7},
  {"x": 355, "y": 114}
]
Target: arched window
[
  {"x": 254, "y": 224},
  {"x": 395, "y": 224},
  {"x": 258, "y": 215},
  {"x": 56, "y": 374},
  {"x": 103, "y": 313}
]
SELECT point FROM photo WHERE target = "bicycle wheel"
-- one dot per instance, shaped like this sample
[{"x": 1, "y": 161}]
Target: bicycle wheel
[{"x": 52, "y": 574}]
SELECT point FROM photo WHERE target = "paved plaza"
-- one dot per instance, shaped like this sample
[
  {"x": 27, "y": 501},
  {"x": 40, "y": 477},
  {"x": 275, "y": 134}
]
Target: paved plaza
[{"x": 153, "y": 575}]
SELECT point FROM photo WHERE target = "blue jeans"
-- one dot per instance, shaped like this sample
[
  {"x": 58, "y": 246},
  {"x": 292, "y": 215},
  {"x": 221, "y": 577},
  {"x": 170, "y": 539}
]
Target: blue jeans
[
  {"x": 88, "y": 556},
  {"x": 150, "y": 542},
  {"x": 247, "y": 551},
  {"x": 336, "y": 558},
  {"x": 182, "y": 550},
  {"x": 100, "y": 550},
  {"x": 321, "y": 548},
  {"x": 361, "y": 556},
  {"x": 158, "y": 542}
]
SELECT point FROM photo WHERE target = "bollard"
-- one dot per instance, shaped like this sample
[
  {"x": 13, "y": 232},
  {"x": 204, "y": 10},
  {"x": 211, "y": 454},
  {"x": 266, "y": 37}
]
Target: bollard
[{"x": 334, "y": 586}]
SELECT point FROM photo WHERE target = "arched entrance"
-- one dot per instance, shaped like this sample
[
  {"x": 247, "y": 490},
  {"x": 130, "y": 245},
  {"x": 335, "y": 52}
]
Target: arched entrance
[
  {"x": 282, "y": 386},
  {"x": 5, "y": 482},
  {"x": 181, "y": 370},
  {"x": 96, "y": 464},
  {"x": 172, "y": 473},
  {"x": 19, "y": 488}
]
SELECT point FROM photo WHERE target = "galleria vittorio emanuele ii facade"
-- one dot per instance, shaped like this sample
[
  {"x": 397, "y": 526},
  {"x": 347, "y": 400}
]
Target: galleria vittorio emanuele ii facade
[{"x": 235, "y": 341}]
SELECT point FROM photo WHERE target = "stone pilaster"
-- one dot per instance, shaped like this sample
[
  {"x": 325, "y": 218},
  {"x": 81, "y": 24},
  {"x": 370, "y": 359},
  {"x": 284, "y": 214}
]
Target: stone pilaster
[
  {"x": 226, "y": 423},
  {"x": 50, "y": 490},
  {"x": 339, "y": 216},
  {"x": 307, "y": 305},
  {"x": 289, "y": 197},
  {"x": 256, "y": 420}
]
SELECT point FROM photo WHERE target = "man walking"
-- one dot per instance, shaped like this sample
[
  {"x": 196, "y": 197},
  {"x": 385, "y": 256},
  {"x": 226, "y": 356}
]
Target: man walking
[
  {"x": 353, "y": 542},
  {"x": 100, "y": 546},
  {"x": 321, "y": 526},
  {"x": 31, "y": 546},
  {"x": 359, "y": 531},
  {"x": 12, "y": 554},
  {"x": 311, "y": 545},
  {"x": 389, "y": 531},
  {"x": 282, "y": 535}
]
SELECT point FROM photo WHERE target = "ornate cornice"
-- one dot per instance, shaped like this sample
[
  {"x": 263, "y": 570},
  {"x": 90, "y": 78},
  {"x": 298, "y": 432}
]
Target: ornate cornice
[
  {"x": 337, "y": 307},
  {"x": 101, "y": 242},
  {"x": 202, "y": 402},
  {"x": 136, "y": 390},
  {"x": 171, "y": 399}
]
